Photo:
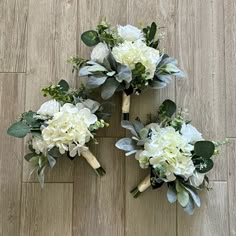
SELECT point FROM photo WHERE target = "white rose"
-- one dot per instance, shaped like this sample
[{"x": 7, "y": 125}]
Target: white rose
[
  {"x": 99, "y": 52},
  {"x": 196, "y": 179},
  {"x": 49, "y": 108},
  {"x": 130, "y": 33},
  {"x": 190, "y": 133},
  {"x": 69, "y": 108}
]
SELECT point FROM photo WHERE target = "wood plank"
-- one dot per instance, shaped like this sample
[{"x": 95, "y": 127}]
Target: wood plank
[
  {"x": 150, "y": 214},
  {"x": 99, "y": 201},
  {"x": 211, "y": 219},
  {"x": 200, "y": 50},
  {"x": 11, "y": 105},
  {"x": 13, "y": 37},
  {"x": 231, "y": 152},
  {"x": 51, "y": 41},
  {"x": 46, "y": 211},
  {"x": 89, "y": 15},
  {"x": 230, "y": 66}
]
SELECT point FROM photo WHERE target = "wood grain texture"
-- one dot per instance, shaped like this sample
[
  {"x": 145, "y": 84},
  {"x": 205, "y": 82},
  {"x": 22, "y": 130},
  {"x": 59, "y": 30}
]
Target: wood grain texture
[
  {"x": 150, "y": 214},
  {"x": 231, "y": 151},
  {"x": 51, "y": 41},
  {"x": 230, "y": 66},
  {"x": 200, "y": 49},
  {"x": 211, "y": 219},
  {"x": 46, "y": 211},
  {"x": 90, "y": 13},
  {"x": 12, "y": 91},
  {"x": 99, "y": 201},
  {"x": 13, "y": 36}
]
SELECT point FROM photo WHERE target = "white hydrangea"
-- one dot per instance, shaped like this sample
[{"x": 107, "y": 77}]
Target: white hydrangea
[
  {"x": 68, "y": 128},
  {"x": 190, "y": 133},
  {"x": 48, "y": 108},
  {"x": 129, "y": 54},
  {"x": 169, "y": 149},
  {"x": 130, "y": 33},
  {"x": 99, "y": 52}
]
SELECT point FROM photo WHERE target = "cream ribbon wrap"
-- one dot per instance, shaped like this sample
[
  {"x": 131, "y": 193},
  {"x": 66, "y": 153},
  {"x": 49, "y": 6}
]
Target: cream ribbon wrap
[
  {"x": 91, "y": 159},
  {"x": 125, "y": 103},
  {"x": 145, "y": 184}
]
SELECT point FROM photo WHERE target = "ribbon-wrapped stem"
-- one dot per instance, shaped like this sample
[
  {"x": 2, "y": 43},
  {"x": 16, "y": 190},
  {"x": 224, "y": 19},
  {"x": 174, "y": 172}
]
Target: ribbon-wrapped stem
[
  {"x": 93, "y": 162},
  {"x": 125, "y": 106},
  {"x": 143, "y": 186}
]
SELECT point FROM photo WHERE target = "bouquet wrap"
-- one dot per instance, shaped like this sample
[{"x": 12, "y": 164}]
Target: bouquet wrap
[
  {"x": 175, "y": 153},
  {"x": 125, "y": 59}
]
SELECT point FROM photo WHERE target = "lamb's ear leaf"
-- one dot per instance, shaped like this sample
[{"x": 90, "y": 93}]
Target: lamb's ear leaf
[
  {"x": 109, "y": 88},
  {"x": 90, "y": 38},
  {"x": 126, "y": 144},
  {"x": 18, "y": 129},
  {"x": 51, "y": 160},
  {"x": 204, "y": 148},
  {"x": 128, "y": 125},
  {"x": 169, "y": 107},
  {"x": 95, "y": 81},
  {"x": 64, "y": 85},
  {"x": 171, "y": 194},
  {"x": 189, "y": 209}
]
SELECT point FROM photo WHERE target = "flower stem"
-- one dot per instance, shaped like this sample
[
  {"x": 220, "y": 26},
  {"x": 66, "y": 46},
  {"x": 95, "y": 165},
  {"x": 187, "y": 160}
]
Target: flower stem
[
  {"x": 93, "y": 162},
  {"x": 143, "y": 186},
  {"x": 125, "y": 106}
]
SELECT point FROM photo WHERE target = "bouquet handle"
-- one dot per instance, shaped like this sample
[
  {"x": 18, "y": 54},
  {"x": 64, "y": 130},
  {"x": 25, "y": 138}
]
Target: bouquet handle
[
  {"x": 143, "y": 186},
  {"x": 93, "y": 162},
  {"x": 125, "y": 106}
]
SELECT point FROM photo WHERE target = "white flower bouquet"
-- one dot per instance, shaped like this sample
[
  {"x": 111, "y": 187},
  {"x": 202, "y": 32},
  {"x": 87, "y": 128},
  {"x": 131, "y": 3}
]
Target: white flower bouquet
[
  {"x": 125, "y": 59},
  {"x": 174, "y": 151},
  {"x": 61, "y": 127}
]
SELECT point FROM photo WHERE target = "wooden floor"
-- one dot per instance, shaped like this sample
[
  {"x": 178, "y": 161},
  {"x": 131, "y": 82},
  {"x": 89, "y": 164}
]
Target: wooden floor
[{"x": 36, "y": 39}]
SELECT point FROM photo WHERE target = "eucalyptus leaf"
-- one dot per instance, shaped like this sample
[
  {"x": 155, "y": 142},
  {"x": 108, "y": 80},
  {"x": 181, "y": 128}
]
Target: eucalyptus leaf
[
  {"x": 64, "y": 85},
  {"x": 153, "y": 31},
  {"x": 204, "y": 148},
  {"x": 95, "y": 81},
  {"x": 171, "y": 194},
  {"x": 18, "y": 129},
  {"x": 126, "y": 144},
  {"x": 169, "y": 107},
  {"x": 90, "y": 38},
  {"x": 30, "y": 120},
  {"x": 204, "y": 165},
  {"x": 109, "y": 88}
]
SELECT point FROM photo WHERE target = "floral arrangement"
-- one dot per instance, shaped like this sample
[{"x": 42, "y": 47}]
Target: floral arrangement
[
  {"x": 127, "y": 59},
  {"x": 174, "y": 151},
  {"x": 61, "y": 127}
]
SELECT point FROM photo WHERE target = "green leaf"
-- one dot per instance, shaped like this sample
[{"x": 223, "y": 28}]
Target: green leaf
[
  {"x": 34, "y": 160},
  {"x": 28, "y": 156},
  {"x": 90, "y": 38},
  {"x": 153, "y": 31},
  {"x": 139, "y": 69},
  {"x": 18, "y": 129},
  {"x": 126, "y": 144},
  {"x": 203, "y": 165},
  {"x": 64, "y": 85},
  {"x": 171, "y": 194},
  {"x": 183, "y": 198},
  {"x": 204, "y": 149},
  {"x": 169, "y": 107}
]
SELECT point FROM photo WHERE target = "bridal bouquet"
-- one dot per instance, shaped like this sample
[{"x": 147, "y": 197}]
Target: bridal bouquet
[
  {"x": 174, "y": 151},
  {"x": 61, "y": 127},
  {"x": 127, "y": 59}
]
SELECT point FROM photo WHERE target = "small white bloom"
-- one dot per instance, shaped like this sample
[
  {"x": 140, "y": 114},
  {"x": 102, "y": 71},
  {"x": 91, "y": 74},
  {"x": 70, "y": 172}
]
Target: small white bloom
[
  {"x": 39, "y": 145},
  {"x": 196, "y": 179},
  {"x": 99, "y": 52},
  {"x": 190, "y": 133},
  {"x": 130, "y": 54},
  {"x": 69, "y": 108},
  {"x": 130, "y": 33},
  {"x": 49, "y": 108}
]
